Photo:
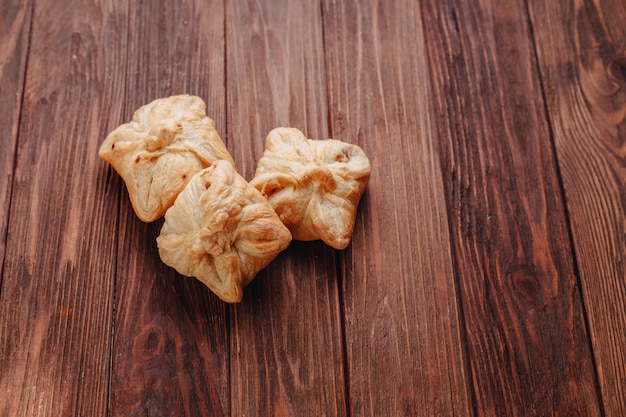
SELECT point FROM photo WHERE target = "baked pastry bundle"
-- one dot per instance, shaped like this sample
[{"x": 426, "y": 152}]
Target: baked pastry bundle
[
  {"x": 314, "y": 185},
  {"x": 157, "y": 153},
  {"x": 219, "y": 228},
  {"x": 222, "y": 231}
]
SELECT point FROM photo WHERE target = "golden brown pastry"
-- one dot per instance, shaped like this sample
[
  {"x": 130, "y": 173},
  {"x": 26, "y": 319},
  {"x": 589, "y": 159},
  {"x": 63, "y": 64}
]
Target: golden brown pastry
[
  {"x": 314, "y": 185},
  {"x": 166, "y": 143},
  {"x": 222, "y": 231}
]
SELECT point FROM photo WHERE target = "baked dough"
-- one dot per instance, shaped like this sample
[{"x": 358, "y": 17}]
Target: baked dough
[
  {"x": 166, "y": 143},
  {"x": 222, "y": 231},
  {"x": 314, "y": 185}
]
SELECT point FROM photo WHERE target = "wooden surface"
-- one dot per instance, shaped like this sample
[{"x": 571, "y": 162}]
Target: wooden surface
[{"x": 487, "y": 270}]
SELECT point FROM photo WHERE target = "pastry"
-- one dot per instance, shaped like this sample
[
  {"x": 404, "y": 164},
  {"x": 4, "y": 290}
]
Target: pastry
[
  {"x": 156, "y": 154},
  {"x": 313, "y": 185},
  {"x": 222, "y": 231}
]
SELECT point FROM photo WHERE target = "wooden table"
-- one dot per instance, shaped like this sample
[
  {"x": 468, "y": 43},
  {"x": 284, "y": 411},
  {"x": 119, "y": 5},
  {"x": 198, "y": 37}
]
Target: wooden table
[{"x": 486, "y": 275}]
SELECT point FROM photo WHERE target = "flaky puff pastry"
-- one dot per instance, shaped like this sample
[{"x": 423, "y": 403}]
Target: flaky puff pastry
[
  {"x": 314, "y": 185},
  {"x": 222, "y": 231},
  {"x": 166, "y": 143}
]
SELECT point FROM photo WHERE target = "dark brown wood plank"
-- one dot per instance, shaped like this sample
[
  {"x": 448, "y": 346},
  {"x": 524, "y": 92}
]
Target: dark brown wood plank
[
  {"x": 528, "y": 347},
  {"x": 403, "y": 332},
  {"x": 286, "y": 342},
  {"x": 171, "y": 350},
  {"x": 581, "y": 47},
  {"x": 57, "y": 294},
  {"x": 14, "y": 38}
]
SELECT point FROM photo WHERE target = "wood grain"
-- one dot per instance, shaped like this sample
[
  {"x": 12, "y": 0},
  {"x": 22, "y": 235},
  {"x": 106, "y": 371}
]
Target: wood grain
[
  {"x": 486, "y": 273},
  {"x": 171, "y": 350},
  {"x": 403, "y": 331},
  {"x": 581, "y": 46},
  {"x": 14, "y": 38},
  {"x": 286, "y": 342},
  {"x": 57, "y": 295},
  {"x": 528, "y": 347}
]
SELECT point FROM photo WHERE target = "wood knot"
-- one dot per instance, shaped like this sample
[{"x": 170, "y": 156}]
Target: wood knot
[
  {"x": 526, "y": 283},
  {"x": 617, "y": 69},
  {"x": 150, "y": 343}
]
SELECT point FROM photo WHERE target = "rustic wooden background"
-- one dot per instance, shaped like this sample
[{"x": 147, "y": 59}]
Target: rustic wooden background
[{"x": 487, "y": 271}]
